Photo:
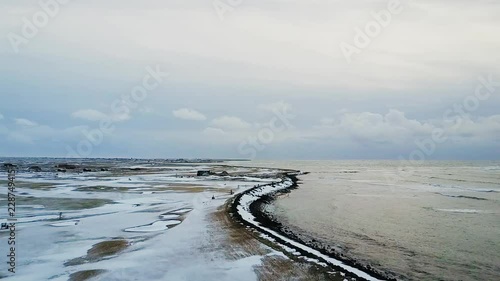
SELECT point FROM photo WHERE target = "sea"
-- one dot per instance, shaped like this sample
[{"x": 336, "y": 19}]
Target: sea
[{"x": 433, "y": 220}]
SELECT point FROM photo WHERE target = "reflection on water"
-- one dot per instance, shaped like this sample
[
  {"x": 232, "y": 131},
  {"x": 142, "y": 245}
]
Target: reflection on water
[{"x": 441, "y": 220}]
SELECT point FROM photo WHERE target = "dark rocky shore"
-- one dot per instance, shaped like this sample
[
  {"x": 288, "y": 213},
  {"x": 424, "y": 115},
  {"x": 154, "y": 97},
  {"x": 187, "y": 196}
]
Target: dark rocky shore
[{"x": 267, "y": 220}]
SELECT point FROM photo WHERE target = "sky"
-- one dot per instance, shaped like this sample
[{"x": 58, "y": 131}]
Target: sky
[{"x": 274, "y": 79}]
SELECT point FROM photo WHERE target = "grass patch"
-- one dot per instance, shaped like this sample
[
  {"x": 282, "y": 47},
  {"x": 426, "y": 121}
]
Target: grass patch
[
  {"x": 31, "y": 185},
  {"x": 107, "y": 248},
  {"x": 52, "y": 203},
  {"x": 178, "y": 188},
  {"x": 102, "y": 189},
  {"x": 85, "y": 274},
  {"x": 100, "y": 251},
  {"x": 35, "y": 185},
  {"x": 194, "y": 188}
]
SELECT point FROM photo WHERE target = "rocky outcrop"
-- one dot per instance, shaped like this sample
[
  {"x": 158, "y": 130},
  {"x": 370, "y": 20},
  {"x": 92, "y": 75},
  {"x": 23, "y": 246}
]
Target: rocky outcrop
[
  {"x": 35, "y": 169},
  {"x": 204, "y": 173},
  {"x": 9, "y": 166},
  {"x": 66, "y": 166}
]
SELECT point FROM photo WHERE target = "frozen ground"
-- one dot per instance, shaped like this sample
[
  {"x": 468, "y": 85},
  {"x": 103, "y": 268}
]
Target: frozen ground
[{"x": 147, "y": 224}]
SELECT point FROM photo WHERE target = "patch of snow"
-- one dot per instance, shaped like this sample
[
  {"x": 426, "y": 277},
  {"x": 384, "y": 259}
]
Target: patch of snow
[
  {"x": 65, "y": 223},
  {"x": 156, "y": 226},
  {"x": 182, "y": 211},
  {"x": 168, "y": 217}
]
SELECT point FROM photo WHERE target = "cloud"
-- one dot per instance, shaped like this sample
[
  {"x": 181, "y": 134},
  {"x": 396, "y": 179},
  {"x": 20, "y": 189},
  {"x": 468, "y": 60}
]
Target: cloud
[
  {"x": 189, "y": 114},
  {"x": 89, "y": 114},
  {"x": 213, "y": 132},
  {"x": 369, "y": 127},
  {"x": 96, "y": 115},
  {"x": 25, "y": 122},
  {"x": 1, "y": 116},
  {"x": 230, "y": 123},
  {"x": 276, "y": 106},
  {"x": 20, "y": 138},
  {"x": 482, "y": 127},
  {"x": 119, "y": 117},
  {"x": 327, "y": 121},
  {"x": 43, "y": 134},
  {"x": 252, "y": 75},
  {"x": 395, "y": 128}
]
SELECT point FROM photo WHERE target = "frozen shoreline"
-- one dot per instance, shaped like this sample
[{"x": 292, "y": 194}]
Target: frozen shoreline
[
  {"x": 245, "y": 209},
  {"x": 165, "y": 216}
]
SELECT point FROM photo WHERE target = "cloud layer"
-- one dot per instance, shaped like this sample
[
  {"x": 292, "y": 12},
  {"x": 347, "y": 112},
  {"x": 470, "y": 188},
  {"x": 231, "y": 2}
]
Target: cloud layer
[
  {"x": 270, "y": 76},
  {"x": 189, "y": 114}
]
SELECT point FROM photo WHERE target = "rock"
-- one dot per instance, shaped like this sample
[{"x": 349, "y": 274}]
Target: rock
[
  {"x": 9, "y": 166},
  {"x": 104, "y": 169},
  {"x": 66, "y": 166},
  {"x": 35, "y": 169},
  {"x": 224, "y": 174},
  {"x": 87, "y": 170},
  {"x": 203, "y": 173},
  {"x": 61, "y": 170}
]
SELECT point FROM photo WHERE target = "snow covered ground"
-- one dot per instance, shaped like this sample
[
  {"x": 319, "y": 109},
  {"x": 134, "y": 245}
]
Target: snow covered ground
[{"x": 164, "y": 217}]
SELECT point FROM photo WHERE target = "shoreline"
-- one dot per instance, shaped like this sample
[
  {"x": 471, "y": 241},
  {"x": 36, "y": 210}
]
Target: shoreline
[{"x": 247, "y": 209}]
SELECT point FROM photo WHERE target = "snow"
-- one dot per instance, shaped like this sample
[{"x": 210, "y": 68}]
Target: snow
[
  {"x": 167, "y": 217},
  {"x": 181, "y": 211},
  {"x": 65, "y": 223},
  {"x": 170, "y": 234},
  {"x": 155, "y": 226},
  {"x": 465, "y": 211}
]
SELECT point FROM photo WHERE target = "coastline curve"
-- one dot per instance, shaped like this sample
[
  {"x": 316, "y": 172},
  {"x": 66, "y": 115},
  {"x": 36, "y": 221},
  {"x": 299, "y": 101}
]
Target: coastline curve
[{"x": 245, "y": 208}]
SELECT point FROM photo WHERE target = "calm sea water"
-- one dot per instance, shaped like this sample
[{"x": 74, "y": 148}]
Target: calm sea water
[{"x": 439, "y": 221}]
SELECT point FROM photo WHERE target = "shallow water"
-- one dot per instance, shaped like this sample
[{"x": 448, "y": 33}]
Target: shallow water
[{"x": 438, "y": 221}]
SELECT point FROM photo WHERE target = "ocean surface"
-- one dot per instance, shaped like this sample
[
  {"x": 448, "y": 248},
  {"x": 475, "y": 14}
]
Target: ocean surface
[{"x": 439, "y": 220}]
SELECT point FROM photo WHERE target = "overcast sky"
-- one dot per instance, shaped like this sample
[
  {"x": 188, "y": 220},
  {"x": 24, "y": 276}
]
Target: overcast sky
[{"x": 251, "y": 79}]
